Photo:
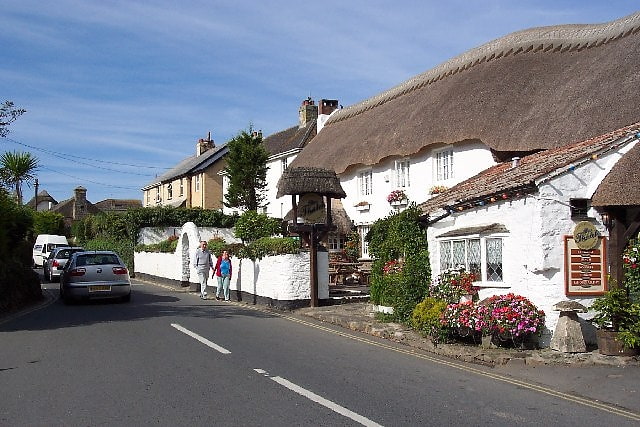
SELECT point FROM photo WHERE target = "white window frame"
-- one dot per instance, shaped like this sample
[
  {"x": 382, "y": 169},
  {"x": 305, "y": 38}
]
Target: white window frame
[
  {"x": 284, "y": 163},
  {"x": 401, "y": 173},
  {"x": 483, "y": 280},
  {"x": 169, "y": 191},
  {"x": 335, "y": 242},
  {"x": 365, "y": 182},
  {"x": 197, "y": 183},
  {"x": 364, "y": 245},
  {"x": 181, "y": 187},
  {"x": 443, "y": 165}
]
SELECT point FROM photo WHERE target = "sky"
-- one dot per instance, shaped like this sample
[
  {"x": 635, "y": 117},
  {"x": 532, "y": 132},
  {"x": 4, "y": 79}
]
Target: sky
[{"x": 118, "y": 92}]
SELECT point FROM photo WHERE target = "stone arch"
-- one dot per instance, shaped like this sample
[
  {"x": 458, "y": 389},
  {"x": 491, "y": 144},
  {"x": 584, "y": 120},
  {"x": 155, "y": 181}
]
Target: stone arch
[{"x": 190, "y": 238}]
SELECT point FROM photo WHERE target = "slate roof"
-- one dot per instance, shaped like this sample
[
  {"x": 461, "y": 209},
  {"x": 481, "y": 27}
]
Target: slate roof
[
  {"x": 290, "y": 139},
  {"x": 514, "y": 182},
  {"x": 192, "y": 164},
  {"x": 118, "y": 205},
  {"x": 534, "y": 89}
]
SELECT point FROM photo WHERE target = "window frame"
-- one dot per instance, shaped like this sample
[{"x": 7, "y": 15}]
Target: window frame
[
  {"x": 365, "y": 182},
  {"x": 402, "y": 173},
  {"x": 443, "y": 165},
  {"x": 484, "y": 257}
]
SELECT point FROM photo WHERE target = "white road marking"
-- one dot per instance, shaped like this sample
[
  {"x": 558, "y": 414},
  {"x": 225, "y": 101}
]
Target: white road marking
[
  {"x": 201, "y": 339},
  {"x": 321, "y": 400}
]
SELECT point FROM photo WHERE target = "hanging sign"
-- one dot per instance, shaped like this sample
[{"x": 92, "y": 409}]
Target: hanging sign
[
  {"x": 585, "y": 261},
  {"x": 311, "y": 207}
]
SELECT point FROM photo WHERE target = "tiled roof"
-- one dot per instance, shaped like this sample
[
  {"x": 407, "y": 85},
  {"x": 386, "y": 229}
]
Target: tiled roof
[{"x": 513, "y": 182}]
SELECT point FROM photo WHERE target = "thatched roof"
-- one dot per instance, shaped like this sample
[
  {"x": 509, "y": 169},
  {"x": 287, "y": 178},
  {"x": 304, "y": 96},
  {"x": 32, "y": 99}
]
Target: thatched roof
[
  {"x": 310, "y": 180},
  {"x": 339, "y": 217},
  {"x": 513, "y": 182},
  {"x": 534, "y": 89},
  {"x": 621, "y": 185}
]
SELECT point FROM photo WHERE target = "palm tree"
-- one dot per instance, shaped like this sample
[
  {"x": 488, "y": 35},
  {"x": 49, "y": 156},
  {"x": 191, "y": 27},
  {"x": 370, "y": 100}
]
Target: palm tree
[{"x": 15, "y": 168}]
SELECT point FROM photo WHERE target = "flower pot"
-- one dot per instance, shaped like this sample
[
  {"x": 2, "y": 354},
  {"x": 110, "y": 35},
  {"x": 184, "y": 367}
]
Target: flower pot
[
  {"x": 610, "y": 346},
  {"x": 521, "y": 342},
  {"x": 399, "y": 202}
]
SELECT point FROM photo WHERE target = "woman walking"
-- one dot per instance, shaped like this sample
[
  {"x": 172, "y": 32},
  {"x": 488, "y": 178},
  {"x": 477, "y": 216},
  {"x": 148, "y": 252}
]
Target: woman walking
[{"x": 223, "y": 273}]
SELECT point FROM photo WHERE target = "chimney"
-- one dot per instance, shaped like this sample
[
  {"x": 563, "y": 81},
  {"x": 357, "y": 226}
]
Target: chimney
[
  {"x": 515, "y": 162},
  {"x": 204, "y": 144},
  {"x": 327, "y": 106},
  {"x": 308, "y": 111}
]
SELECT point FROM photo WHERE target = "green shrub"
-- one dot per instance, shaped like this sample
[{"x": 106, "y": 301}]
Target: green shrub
[
  {"x": 252, "y": 226},
  {"x": 426, "y": 318},
  {"x": 122, "y": 247},
  {"x": 399, "y": 239}
]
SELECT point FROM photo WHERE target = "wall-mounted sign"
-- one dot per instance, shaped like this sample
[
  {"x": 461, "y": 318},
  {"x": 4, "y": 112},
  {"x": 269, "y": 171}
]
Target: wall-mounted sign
[
  {"x": 311, "y": 207},
  {"x": 586, "y": 235},
  {"x": 585, "y": 269}
]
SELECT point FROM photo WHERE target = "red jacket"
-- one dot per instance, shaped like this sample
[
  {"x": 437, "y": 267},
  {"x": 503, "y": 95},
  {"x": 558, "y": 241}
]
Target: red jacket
[{"x": 217, "y": 269}]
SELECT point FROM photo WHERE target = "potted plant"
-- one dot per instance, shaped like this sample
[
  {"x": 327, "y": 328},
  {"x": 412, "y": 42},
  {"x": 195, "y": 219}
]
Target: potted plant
[
  {"x": 618, "y": 322},
  {"x": 397, "y": 197}
]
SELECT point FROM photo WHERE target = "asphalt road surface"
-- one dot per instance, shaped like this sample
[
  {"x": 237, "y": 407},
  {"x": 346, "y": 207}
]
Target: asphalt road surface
[{"x": 170, "y": 358}]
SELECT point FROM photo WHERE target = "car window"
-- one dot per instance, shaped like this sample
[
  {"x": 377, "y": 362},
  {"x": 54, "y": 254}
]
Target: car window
[
  {"x": 63, "y": 254},
  {"x": 97, "y": 259}
]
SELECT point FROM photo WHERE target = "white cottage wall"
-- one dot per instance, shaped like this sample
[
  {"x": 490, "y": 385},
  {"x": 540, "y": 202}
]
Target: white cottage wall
[
  {"x": 533, "y": 248},
  {"x": 470, "y": 158}
]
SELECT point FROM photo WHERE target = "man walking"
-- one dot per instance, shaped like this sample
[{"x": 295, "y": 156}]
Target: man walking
[{"x": 202, "y": 262}]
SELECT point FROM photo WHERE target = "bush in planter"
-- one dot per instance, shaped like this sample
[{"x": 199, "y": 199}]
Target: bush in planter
[
  {"x": 616, "y": 312},
  {"x": 451, "y": 285},
  {"x": 466, "y": 315},
  {"x": 426, "y": 318},
  {"x": 513, "y": 315}
]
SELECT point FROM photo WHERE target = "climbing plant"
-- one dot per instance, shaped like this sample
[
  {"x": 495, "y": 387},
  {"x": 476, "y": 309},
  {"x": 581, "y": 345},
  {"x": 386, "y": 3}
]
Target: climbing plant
[{"x": 401, "y": 272}]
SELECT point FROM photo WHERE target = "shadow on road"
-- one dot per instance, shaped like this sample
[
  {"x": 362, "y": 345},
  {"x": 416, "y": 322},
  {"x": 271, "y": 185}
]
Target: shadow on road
[{"x": 147, "y": 302}]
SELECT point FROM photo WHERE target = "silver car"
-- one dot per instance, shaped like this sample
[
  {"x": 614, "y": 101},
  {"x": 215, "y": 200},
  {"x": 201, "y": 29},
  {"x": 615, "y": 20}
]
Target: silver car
[
  {"x": 53, "y": 265},
  {"x": 92, "y": 275}
]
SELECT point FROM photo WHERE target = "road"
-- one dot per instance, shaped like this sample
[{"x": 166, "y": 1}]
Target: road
[{"x": 170, "y": 358}]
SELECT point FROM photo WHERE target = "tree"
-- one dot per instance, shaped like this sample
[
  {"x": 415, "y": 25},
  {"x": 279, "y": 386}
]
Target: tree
[
  {"x": 247, "y": 171},
  {"x": 15, "y": 168},
  {"x": 8, "y": 114}
]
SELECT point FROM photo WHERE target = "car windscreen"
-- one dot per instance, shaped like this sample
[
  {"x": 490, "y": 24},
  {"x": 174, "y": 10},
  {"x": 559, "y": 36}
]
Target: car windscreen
[{"x": 96, "y": 259}]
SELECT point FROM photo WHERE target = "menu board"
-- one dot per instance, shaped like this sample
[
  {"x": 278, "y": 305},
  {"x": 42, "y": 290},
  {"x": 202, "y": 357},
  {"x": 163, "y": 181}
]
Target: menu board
[{"x": 585, "y": 269}]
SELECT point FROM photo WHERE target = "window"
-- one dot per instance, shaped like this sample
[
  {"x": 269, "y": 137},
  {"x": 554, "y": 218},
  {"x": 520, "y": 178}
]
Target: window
[
  {"x": 335, "y": 242},
  {"x": 401, "y": 173},
  {"x": 181, "y": 187},
  {"x": 169, "y": 191},
  {"x": 579, "y": 208},
  {"x": 364, "y": 245},
  {"x": 148, "y": 197},
  {"x": 197, "y": 183},
  {"x": 283, "y": 164},
  {"x": 365, "y": 186},
  {"x": 480, "y": 256},
  {"x": 444, "y": 165}
]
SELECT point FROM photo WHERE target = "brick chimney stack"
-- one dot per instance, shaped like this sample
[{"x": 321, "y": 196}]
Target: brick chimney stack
[
  {"x": 327, "y": 106},
  {"x": 204, "y": 144},
  {"x": 308, "y": 111}
]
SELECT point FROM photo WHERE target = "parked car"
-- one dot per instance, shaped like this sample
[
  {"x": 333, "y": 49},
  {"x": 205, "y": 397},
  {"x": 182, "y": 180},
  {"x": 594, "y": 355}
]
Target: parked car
[
  {"x": 92, "y": 275},
  {"x": 53, "y": 265}
]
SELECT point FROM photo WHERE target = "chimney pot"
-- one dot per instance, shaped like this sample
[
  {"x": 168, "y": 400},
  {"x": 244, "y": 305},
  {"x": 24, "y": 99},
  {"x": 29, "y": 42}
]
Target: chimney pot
[{"x": 515, "y": 162}]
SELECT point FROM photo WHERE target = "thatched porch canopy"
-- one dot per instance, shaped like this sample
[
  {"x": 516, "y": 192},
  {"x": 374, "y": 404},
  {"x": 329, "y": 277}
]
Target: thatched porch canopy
[{"x": 304, "y": 180}]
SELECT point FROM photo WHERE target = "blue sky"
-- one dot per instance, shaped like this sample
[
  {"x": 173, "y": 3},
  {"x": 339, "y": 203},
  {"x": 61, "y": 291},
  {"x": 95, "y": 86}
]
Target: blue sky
[{"x": 117, "y": 92}]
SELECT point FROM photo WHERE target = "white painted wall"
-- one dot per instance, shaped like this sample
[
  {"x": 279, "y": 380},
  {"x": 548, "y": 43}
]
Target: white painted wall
[
  {"x": 152, "y": 235},
  {"x": 277, "y": 207},
  {"x": 470, "y": 158},
  {"x": 282, "y": 277},
  {"x": 533, "y": 248}
]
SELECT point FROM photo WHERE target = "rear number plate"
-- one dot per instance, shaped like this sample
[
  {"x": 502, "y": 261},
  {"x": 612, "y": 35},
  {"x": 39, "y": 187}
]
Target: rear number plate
[{"x": 99, "y": 288}]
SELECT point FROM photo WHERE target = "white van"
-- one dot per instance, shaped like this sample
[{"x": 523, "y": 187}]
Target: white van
[{"x": 44, "y": 244}]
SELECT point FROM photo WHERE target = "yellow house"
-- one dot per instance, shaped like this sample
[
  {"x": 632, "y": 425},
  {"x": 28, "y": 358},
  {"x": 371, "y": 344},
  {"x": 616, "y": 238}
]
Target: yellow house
[{"x": 194, "y": 182}]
